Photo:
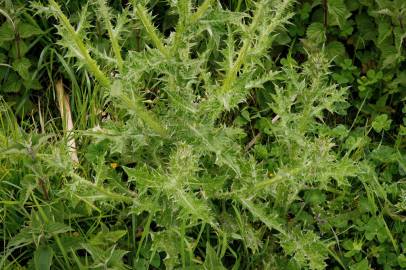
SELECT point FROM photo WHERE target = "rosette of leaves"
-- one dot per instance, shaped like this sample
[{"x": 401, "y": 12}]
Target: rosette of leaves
[{"x": 185, "y": 178}]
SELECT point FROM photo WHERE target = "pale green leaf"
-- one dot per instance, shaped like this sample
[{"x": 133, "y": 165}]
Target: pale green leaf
[{"x": 43, "y": 258}]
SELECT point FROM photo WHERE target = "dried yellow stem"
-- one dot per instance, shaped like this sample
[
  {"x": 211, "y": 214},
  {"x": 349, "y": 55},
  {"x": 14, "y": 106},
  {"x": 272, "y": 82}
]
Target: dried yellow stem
[{"x": 66, "y": 115}]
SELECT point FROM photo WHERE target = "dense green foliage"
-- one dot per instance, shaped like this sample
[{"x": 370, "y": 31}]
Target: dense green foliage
[{"x": 210, "y": 134}]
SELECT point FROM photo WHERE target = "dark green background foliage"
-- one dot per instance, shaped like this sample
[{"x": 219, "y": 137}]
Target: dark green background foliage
[{"x": 210, "y": 134}]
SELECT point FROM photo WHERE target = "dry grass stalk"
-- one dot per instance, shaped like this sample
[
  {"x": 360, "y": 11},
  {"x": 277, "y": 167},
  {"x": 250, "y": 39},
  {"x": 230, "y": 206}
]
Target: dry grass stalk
[{"x": 66, "y": 115}]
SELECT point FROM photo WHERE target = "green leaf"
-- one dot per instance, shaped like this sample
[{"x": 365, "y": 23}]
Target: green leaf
[
  {"x": 347, "y": 29},
  {"x": 32, "y": 83},
  {"x": 402, "y": 260},
  {"x": 212, "y": 261},
  {"x": 43, "y": 258},
  {"x": 3, "y": 58},
  {"x": 305, "y": 11},
  {"x": 22, "y": 66},
  {"x": 107, "y": 238},
  {"x": 18, "y": 49},
  {"x": 375, "y": 228},
  {"x": 402, "y": 129},
  {"x": 246, "y": 115},
  {"x": 57, "y": 228},
  {"x": 389, "y": 55},
  {"x": 385, "y": 154},
  {"x": 261, "y": 151},
  {"x": 336, "y": 50},
  {"x": 22, "y": 238},
  {"x": 338, "y": 12},
  {"x": 6, "y": 32},
  {"x": 169, "y": 242},
  {"x": 352, "y": 5},
  {"x": 27, "y": 30},
  {"x": 305, "y": 247},
  {"x": 271, "y": 221},
  {"x": 366, "y": 27},
  {"x": 315, "y": 197},
  {"x": 362, "y": 265},
  {"x": 12, "y": 85},
  {"x": 384, "y": 31},
  {"x": 283, "y": 39},
  {"x": 107, "y": 258},
  {"x": 367, "y": 3},
  {"x": 316, "y": 33},
  {"x": 381, "y": 122}
]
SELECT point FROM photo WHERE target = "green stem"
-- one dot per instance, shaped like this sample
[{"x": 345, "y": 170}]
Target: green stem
[
  {"x": 201, "y": 11},
  {"x": 142, "y": 14},
  {"x": 113, "y": 39},
  {"x": 231, "y": 75},
  {"x": 89, "y": 61}
]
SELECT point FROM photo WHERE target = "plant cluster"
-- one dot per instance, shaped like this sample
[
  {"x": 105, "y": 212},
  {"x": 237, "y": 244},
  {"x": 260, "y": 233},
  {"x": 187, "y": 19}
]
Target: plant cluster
[
  {"x": 210, "y": 135},
  {"x": 18, "y": 74}
]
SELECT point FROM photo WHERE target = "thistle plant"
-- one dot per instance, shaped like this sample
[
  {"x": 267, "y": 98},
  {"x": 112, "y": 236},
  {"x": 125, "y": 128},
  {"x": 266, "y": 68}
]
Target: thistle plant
[{"x": 186, "y": 192}]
